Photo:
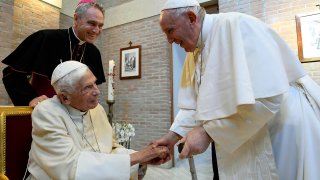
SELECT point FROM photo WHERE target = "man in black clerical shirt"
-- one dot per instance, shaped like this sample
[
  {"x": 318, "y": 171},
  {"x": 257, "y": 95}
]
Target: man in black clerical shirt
[{"x": 30, "y": 65}]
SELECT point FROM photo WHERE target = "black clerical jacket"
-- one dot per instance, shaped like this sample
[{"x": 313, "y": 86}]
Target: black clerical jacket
[{"x": 38, "y": 55}]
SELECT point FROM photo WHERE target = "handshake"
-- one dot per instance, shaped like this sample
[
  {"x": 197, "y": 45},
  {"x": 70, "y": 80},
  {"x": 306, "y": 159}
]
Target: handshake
[
  {"x": 158, "y": 152},
  {"x": 151, "y": 154}
]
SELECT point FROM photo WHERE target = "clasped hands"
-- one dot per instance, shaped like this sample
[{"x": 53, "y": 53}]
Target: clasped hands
[
  {"x": 195, "y": 142},
  {"x": 150, "y": 155}
]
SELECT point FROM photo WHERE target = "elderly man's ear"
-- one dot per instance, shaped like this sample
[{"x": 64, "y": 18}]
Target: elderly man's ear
[
  {"x": 64, "y": 98},
  {"x": 192, "y": 17}
]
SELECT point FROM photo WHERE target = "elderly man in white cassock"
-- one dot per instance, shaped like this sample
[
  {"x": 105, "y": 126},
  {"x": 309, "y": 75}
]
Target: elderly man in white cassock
[
  {"x": 72, "y": 138},
  {"x": 245, "y": 90}
]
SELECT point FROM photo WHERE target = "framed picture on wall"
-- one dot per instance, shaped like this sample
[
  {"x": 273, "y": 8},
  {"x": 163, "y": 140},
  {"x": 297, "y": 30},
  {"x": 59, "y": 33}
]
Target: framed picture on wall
[
  {"x": 130, "y": 62},
  {"x": 308, "y": 36}
]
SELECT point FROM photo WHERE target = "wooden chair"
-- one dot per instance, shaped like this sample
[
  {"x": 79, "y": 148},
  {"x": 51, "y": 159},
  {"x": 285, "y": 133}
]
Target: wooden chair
[{"x": 15, "y": 140}]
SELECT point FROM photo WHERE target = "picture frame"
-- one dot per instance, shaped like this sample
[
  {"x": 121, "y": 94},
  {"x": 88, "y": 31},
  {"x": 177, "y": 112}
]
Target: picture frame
[
  {"x": 308, "y": 36},
  {"x": 130, "y": 62}
]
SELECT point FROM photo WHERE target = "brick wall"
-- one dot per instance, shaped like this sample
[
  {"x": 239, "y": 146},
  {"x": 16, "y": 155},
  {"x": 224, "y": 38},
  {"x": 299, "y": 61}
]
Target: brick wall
[
  {"x": 6, "y": 11},
  {"x": 30, "y": 16},
  {"x": 18, "y": 19},
  {"x": 145, "y": 102},
  {"x": 280, "y": 15}
]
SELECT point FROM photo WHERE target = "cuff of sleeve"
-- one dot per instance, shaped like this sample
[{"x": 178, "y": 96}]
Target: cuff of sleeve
[
  {"x": 179, "y": 130},
  {"x": 92, "y": 165}
]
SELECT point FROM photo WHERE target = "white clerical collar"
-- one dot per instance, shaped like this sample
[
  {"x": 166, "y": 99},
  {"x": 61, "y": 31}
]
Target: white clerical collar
[
  {"x": 80, "y": 42},
  {"x": 75, "y": 112}
]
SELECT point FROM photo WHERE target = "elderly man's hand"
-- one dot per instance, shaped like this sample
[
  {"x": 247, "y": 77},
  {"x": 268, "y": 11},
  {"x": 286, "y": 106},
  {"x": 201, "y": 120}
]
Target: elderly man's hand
[
  {"x": 169, "y": 140},
  {"x": 196, "y": 142},
  {"x": 149, "y": 153},
  {"x": 37, "y": 100}
]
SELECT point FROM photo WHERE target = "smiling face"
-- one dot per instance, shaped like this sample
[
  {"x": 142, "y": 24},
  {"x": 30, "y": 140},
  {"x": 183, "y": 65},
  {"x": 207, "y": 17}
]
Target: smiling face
[
  {"x": 89, "y": 26},
  {"x": 86, "y": 95},
  {"x": 182, "y": 30}
]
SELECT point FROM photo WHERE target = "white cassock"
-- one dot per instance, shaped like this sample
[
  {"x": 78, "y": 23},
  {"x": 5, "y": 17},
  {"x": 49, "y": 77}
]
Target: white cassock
[
  {"x": 69, "y": 144},
  {"x": 254, "y": 100}
]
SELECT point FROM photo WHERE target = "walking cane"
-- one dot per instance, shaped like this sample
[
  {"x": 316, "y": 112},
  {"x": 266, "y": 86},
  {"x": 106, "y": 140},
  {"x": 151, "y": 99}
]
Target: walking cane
[{"x": 191, "y": 163}]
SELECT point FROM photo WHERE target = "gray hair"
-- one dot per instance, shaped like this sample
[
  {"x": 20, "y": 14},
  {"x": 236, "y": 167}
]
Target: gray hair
[
  {"x": 82, "y": 8},
  {"x": 68, "y": 82}
]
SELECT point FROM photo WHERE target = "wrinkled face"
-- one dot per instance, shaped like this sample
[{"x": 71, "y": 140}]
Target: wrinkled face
[
  {"x": 87, "y": 93},
  {"x": 89, "y": 27},
  {"x": 180, "y": 30}
]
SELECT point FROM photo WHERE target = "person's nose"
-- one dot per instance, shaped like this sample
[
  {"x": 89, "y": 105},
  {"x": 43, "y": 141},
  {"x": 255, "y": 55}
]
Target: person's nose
[
  {"x": 97, "y": 29},
  {"x": 96, "y": 90},
  {"x": 170, "y": 39}
]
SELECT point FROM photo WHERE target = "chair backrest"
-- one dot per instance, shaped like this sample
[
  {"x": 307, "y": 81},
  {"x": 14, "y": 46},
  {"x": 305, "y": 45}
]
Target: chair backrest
[{"x": 15, "y": 140}]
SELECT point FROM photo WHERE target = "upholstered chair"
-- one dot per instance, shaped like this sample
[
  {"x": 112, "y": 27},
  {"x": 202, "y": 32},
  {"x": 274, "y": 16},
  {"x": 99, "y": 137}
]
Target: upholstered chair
[{"x": 15, "y": 141}]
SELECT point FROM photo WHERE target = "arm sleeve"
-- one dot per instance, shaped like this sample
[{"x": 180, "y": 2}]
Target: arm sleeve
[
  {"x": 18, "y": 87},
  {"x": 231, "y": 132},
  {"x": 103, "y": 166},
  {"x": 184, "y": 122},
  {"x": 57, "y": 153}
]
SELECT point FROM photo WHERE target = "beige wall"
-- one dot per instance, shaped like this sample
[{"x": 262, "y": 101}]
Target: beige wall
[
  {"x": 280, "y": 15},
  {"x": 6, "y": 23},
  {"x": 65, "y": 21},
  {"x": 143, "y": 102},
  {"x": 18, "y": 19}
]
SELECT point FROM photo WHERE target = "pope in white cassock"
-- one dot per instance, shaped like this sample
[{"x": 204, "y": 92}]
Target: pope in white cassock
[
  {"x": 72, "y": 138},
  {"x": 243, "y": 88}
]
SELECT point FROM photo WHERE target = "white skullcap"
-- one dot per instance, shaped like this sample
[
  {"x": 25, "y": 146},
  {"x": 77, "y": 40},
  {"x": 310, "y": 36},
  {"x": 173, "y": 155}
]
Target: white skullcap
[
  {"x": 173, "y": 4},
  {"x": 65, "y": 68}
]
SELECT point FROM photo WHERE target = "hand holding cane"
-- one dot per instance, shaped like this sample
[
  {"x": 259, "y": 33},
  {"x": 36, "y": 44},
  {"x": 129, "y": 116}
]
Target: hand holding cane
[{"x": 191, "y": 163}]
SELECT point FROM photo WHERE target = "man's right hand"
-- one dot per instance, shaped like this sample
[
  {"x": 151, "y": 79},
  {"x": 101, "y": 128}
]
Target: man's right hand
[
  {"x": 37, "y": 100},
  {"x": 196, "y": 142},
  {"x": 169, "y": 140}
]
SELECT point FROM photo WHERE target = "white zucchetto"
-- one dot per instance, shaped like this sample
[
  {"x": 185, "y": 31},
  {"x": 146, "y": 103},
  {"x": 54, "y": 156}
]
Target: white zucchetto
[
  {"x": 173, "y": 4},
  {"x": 65, "y": 68}
]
